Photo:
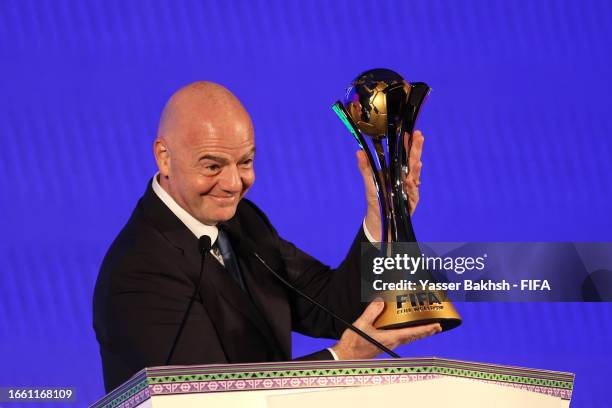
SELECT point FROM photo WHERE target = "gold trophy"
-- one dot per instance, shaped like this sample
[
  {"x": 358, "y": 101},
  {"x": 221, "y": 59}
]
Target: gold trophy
[{"x": 382, "y": 105}]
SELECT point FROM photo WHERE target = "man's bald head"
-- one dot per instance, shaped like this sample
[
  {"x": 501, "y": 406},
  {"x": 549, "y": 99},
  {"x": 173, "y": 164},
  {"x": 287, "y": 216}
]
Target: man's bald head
[
  {"x": 201, "y": 106},
  {"x": 204, "y": 150}
]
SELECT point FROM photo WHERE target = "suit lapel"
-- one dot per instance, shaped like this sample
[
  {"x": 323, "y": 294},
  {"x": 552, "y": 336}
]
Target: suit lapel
[
  {"x": 219, "y": 284},
  {"x": 177, "y": 234},
  {"x": 271, "y": 300},
  {"x": 218, "y": 287},
  {"x": 268, "y": 295}
]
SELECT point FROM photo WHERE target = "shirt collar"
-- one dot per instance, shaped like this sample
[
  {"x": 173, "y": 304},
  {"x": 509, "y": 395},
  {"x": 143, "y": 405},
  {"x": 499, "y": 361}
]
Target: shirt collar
[{"x": 196, "y": 227}]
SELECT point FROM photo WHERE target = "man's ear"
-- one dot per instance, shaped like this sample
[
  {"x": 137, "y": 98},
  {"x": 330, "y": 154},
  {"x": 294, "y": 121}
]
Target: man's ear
[{"x": 162, "y": 157}]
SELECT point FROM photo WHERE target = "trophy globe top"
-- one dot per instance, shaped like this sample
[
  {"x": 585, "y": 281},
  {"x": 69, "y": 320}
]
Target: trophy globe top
[{"x": 366, "y": 100}]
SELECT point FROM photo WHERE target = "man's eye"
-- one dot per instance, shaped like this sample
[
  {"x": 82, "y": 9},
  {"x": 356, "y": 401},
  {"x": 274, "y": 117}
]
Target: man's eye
[
  {"x": 212, "y": 167},
  {"x": 247, "y": 162}
]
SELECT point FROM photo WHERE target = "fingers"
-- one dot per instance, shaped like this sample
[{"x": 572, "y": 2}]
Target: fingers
[
  {"x": 409, "y": 334},
  {"x": 370, "y": 313},
  {"x": 412, "y": 182},
  {"x": 413, "y": 193},
  {"x": 414, "y": 157},
  {"x": 418, "y": 332},
  {"x": 352, "y": 346},
  {"x": 415, "y": 173},
  {"x": 362, "y": 162},
  {"x": 368, "y": 181},
  {"x": 417, "y": 146}
]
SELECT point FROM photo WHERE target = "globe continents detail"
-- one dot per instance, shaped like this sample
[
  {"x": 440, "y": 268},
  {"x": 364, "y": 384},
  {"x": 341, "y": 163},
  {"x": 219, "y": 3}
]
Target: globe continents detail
[{"x": 366, "y": 100}]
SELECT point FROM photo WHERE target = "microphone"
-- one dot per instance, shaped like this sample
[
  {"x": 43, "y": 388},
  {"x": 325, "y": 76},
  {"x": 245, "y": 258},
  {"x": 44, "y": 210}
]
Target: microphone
[
  {"x": 247, "y": 247},
  {"x": 204, "y": 245}
]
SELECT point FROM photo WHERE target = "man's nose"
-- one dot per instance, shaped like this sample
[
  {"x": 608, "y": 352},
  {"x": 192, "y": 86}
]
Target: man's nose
[{"x": 230, "y": 180}]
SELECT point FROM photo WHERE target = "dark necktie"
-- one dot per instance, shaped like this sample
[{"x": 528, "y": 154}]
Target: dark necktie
[{"x": 229, "y": 258}]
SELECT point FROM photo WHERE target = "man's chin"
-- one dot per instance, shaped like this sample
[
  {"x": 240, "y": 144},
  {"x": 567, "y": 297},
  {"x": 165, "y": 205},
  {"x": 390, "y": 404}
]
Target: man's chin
[{"x": 218, "y": 215}]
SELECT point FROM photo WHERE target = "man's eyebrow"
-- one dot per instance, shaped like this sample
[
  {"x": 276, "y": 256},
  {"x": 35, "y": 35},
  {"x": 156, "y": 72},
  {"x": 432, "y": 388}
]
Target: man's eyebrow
[
  {"x": 213, "y": 158},
  {"x": 249, "y": 154},
  {"x": 223, "y": 160}
]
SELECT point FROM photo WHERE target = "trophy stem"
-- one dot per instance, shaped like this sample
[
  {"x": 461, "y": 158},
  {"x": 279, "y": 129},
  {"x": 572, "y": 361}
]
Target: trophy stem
[{"x": 391, "y": 231}]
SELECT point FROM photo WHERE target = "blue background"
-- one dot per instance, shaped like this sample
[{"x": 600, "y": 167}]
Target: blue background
[{"x": 517, "y": 148}]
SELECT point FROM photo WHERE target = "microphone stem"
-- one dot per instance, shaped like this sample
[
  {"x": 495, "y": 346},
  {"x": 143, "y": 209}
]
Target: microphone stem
[
  {"x": 186, "y": 315},
  {"x": 334, "y": 315}
]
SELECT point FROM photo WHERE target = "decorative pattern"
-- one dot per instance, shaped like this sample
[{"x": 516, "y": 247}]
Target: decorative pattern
[{"x": 323, "y": 374}]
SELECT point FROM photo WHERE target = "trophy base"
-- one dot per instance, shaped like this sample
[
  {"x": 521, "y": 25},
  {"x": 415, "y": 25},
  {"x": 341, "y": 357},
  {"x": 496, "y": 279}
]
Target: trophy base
[
  {"x": 446, "y": 324},
  {"x": 397, "y": 315}
]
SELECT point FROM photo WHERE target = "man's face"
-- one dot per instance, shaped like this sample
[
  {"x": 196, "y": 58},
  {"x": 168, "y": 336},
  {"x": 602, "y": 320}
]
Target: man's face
[{"x": 209, "y": 170}]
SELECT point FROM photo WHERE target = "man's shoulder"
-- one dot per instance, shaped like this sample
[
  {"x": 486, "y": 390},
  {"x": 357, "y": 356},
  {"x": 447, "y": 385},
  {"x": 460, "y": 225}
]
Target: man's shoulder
[
  {"x": 141, "y": 240},
  {"x": 249, "y": 213},
  {"x": 137, "y": 242}
]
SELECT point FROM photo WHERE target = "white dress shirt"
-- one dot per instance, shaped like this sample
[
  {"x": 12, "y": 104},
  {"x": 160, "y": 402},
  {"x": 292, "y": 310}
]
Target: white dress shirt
[{"x": 198, "y": 228}]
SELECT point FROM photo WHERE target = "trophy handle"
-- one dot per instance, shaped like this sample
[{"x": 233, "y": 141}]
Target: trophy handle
[
  {"x": 414, "y": 101},
  {"x": 396, "y": 100},
  {"x": 339, "y": 109}
]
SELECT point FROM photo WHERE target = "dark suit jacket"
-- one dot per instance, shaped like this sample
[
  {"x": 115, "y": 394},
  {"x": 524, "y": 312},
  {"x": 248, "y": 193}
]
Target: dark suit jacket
[{"x": 150, "y": 272}]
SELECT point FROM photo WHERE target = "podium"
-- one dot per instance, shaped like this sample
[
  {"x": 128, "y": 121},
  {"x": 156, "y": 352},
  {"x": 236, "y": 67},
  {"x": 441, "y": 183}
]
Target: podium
[{"x": 327, "y": 383}]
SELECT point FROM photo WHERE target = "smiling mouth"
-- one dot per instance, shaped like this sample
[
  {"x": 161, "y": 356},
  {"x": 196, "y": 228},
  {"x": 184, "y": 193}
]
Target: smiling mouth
[{"x": 229, "y": 200}]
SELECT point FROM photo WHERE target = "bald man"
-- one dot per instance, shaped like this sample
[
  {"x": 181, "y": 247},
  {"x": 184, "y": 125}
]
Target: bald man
[{"x": 204, "y": 150}]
